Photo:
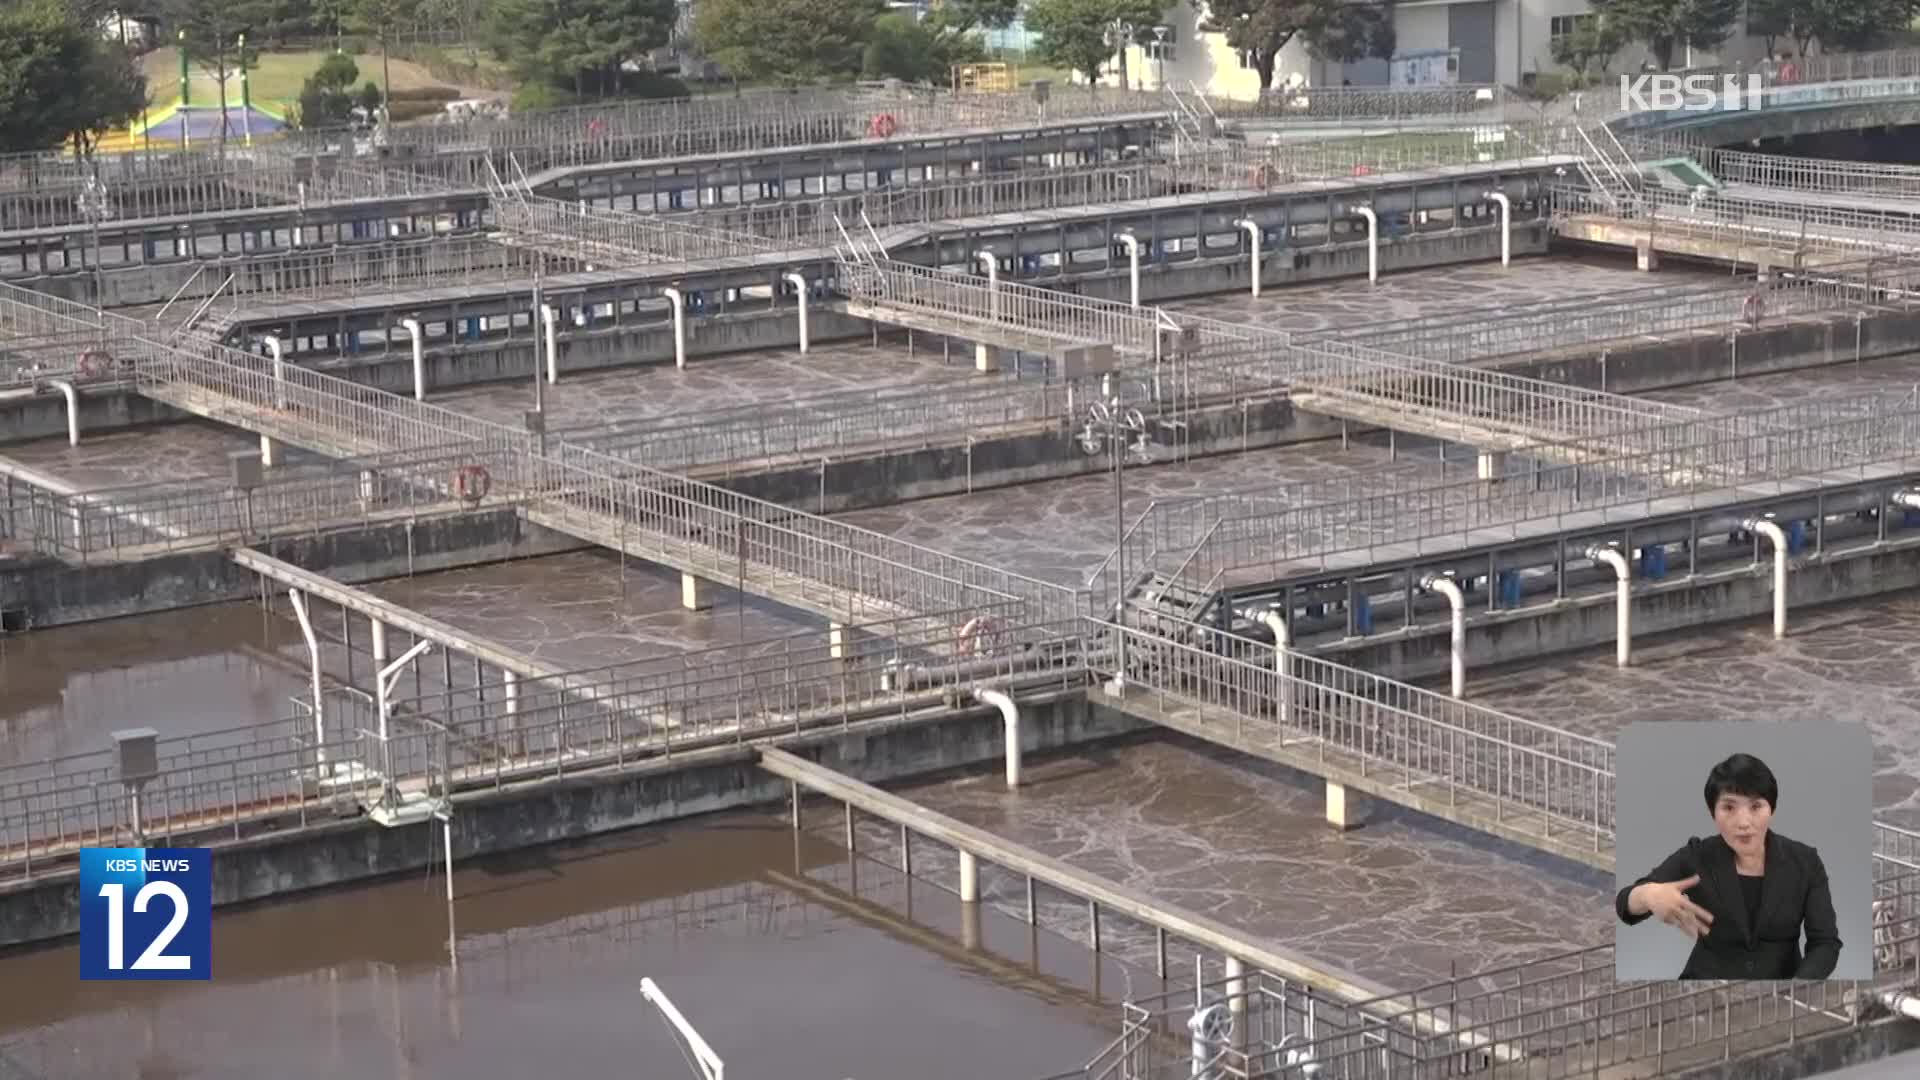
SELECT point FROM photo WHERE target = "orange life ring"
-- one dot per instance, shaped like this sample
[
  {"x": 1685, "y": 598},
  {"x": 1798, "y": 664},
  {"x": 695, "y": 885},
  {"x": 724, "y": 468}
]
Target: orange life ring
[
  {"x": 95, "y": 362},
  {"x": 1260, "y": 176},
  {"x": 883, "y": 126},
  {"x": 472, "y": 482}
]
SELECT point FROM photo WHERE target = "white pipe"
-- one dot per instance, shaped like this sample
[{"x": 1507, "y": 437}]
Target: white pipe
[
  {"x": 679, "y": 325},
  {"x": 1623, "y": 607},
  {"x": 800, "y": 291},
  {"x": 551, "y": 318},
  {"x": 1450, "y": 589},
  {"x": 1779, "y": 537},
  {"x": 710, "y": 1062},
  {"x": 1907, "y": 1005},
  {"x": 389, "y": 675},
  {"x": 1506, "y": 225},
  {"x": 279, "y": 355},
  {"x": 991, "y": 263},
  {"x": 1906, "y": 500},
  {"x": 418, "y": 340},
  {"x": 1282, "y": 662},
  {"x": 313, "y": 662},
  {"x": 969, "y": 877},
  {"x": 1253, "y": 237},
  {"x": 73, "y": 409},
  {"x": 1373, "y": 242},
  {"x": 1010, "y": 713},
  {"x": 1132, "y": 244}
]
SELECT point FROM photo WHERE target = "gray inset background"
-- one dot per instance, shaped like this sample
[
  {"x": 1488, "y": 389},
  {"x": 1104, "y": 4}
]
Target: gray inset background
[{"x": 1826, "y": 800}]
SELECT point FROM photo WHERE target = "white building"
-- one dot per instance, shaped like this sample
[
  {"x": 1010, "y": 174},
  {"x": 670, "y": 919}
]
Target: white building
[{"x": 1439, "y": 41}]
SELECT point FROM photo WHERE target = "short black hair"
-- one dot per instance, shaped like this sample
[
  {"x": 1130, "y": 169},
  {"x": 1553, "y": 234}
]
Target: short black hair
[{"x": 1742, "y": 774}]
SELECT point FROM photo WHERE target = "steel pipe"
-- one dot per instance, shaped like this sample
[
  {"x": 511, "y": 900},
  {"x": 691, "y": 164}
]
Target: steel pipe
[
  {"x": 1623, "y": 604},
  {"x": 1132, "y": 244},
  {"x": 1010, "y": 714},
  {"x": 1252, "y": 229},
  {"x": 73, "y": 409},
  {"x": 1778, "y": 537},
  {"x": 1457, "y": 599}
]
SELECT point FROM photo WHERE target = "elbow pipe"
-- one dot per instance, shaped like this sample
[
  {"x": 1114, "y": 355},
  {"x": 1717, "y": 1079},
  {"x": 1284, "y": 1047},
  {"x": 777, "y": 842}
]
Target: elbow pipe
[
  {"x": 1010, "y": 715},
  {"x": 1623, "y": 616},
  {"x": 1778, "y": 537},
  {"x": 550, "y": 317},
  {"x": 799, "y": 283},
  {"x": 679, "y": 300},
  {"x": 1282, "y": 662},
  {"x": 1902, "y": 1002},
  {"x": 989, "y": 263},
  {"x": 417, "y": 340},
  {"x": 1373, "y": 242},
  {"x": 1506, "y": 225},
  {"x": 278, "y": 351},
  {"x": 1457, "y": 600},
  {"x": 1252, "y": 229},
  {"x": 73, "y": 409},
  {"x": 1132, "y": 244},
  {"x": 1905, "y": 500}
]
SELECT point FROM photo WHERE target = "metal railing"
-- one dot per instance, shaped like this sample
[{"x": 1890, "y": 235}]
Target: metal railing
[
  {"x": 617, "y": 238},
  {"x": 142, "y": 521},
  {"x": 1704, "y": 462},
  {"x": 1774, "y": 229},
  {"x": 599, "y": 497},
  {"x": 1560, "y": 1015},
  {"x": 486, "y": 734},
  {"x": 1379, "y": 103}
]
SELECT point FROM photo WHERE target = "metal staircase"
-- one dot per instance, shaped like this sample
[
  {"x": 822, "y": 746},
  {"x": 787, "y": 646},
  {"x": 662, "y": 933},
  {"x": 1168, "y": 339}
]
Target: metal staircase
[
  {"x": 1608, "y": 168},
  {"x": 1194, "y": 121}
]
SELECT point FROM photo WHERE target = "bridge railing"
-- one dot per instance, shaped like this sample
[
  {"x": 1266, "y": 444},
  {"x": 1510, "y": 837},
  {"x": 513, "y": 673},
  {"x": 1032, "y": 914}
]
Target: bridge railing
[
  {"x": 1770, "y": 227},
  {"x": 1781, "y": 171},
  {"x": 1703, "y": 464},
  {"x": 604, "y": 237},
  {"x": 968, "y": 301},
  {"x": 226, "y": 783},
  {"x": 149, "y": 519},
  {"x": 1325, "y": 103},
  {"x": 1539, "y": 779}
]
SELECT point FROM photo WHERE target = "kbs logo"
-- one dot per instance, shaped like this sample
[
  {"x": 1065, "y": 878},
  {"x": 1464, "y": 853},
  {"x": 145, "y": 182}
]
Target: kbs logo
[
  {"x": 146, "y": 913},
  {"x": 1694, "y": 93}
]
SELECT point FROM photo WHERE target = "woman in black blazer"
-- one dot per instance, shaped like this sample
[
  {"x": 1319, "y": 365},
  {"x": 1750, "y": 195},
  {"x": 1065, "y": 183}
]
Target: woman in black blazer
[{"x": 1744, "y": 894}]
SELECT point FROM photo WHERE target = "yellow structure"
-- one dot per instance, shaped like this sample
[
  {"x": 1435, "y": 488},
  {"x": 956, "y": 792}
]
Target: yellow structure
[{"x": 985, "y": 78}]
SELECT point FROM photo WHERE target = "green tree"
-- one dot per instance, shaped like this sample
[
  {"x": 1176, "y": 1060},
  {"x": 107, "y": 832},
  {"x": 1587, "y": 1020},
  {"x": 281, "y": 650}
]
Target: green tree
[
  {"x": 326, "y": 98},
  {"x": 1667, "y": 25},
  {"x": 379, "y": 19},
  {"x": 787, "y": 40},
  {"x": 580, "y": 45},
  {"x": 209, "y": 32},
  {"x": 1074, "y": 34},
  {"x": 1589, "y": 49},
  {"x": 1332, "y": 29},
  {"x": 60, "y": 81},
  {"x": 1834, "y": 24}
]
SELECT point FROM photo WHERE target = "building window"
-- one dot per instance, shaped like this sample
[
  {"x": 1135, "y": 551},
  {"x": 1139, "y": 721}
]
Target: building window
[{"x": 1564, "y": 26}]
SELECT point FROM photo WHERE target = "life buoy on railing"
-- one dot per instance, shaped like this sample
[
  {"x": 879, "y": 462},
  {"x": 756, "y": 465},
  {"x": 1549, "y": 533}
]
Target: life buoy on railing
[
  {"x": 1362, "y": 170},
  {"x": 882, "y": 126},
  {"x": 1260, "y": 176},
  {"x": 472, "y": 482},
  {"x": 596, "y": 127},
  {"x": 95, "y": 363},
  {"x": 974, "y": 636},
  {"x": 1753, "y": 309}
]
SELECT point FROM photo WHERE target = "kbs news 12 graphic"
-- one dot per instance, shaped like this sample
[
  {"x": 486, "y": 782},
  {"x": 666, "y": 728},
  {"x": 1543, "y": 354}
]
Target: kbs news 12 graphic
[{"x": 146, "y": 913}]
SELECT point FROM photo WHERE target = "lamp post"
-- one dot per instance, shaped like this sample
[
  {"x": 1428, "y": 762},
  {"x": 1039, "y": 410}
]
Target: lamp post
[
  {"x": 1160, "y": 54},
  {"x": 94, "y": 204},
  {"x": 1123, "y": 430}
]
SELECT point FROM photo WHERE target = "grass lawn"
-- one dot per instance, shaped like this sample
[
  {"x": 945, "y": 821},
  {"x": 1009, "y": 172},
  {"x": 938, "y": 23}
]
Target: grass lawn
[{"x": 274, "y": 83}]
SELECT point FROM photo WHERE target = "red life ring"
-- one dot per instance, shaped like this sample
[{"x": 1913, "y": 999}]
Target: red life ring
[
  {"x": 95, "y": 363},
  {"x": 596, "y": 127},
  {"x": 882, "y": 126},
  {"x": 1753, "y": 309},
  {"x": 472, "y": 482},
  {"x": 1362, "y": 170},
  {"x": 1260, "y": 176}
]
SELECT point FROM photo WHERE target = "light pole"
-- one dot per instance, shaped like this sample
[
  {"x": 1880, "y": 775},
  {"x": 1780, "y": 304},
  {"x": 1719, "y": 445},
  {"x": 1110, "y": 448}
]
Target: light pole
[
  {"x": 94, "y": 203},
  {"x": 1160, "y": 54},
  {"x": 1123, "y": 430}
]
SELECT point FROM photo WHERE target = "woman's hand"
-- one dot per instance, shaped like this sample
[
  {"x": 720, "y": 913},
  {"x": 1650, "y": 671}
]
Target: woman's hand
[{"x": 1667, "y": 901}]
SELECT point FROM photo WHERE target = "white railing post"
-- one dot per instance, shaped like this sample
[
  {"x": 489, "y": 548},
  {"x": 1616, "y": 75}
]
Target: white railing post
[
  {"x": 551, "y": 319},
  {"x": 991, "y": 263}
]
